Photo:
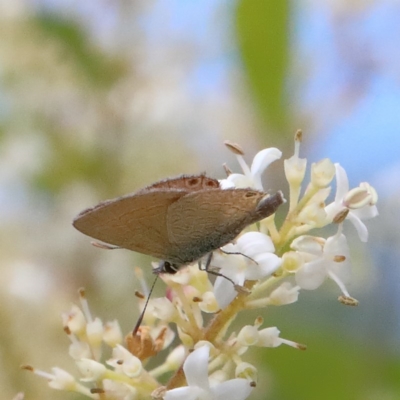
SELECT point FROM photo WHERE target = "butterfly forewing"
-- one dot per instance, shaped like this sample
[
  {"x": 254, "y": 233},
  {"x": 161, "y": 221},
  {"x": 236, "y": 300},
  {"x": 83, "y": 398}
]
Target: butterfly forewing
[{"x": 135, "y": 222}]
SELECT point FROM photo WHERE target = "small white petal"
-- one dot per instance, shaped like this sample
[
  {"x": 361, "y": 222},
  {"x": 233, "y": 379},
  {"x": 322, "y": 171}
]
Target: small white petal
[
  {"x": 62, "y": 380},
  {"x": 186, "y": 393},
  {"x": 360, "y": 227},
  {"x": 162, "y": 308},
  {"x": 248, "y": 336},
  {"x": 342, "y": 183},
  {"x": 239, "y": 181},
  {"x": 112, "y": 333},
  {"x": 336, "y": 245},
  {"x": 263, "y": 159},
  {"x": 253, "y": 243},
  {"x": 94, "y": 331},
  {"x": 308, "y": 244},
  {"x": 284, "y": 294},
  {"x": 366, "y": 212},
  {"x": 269, "y": 337},
  {"x": 75, "y": 320},
  {"x": 234, "y": 389},
  {"x": 196, "y": 367},
  {"x": 322, "y": 173},
  {"x": 267, "y": 264},
  {"x": 78, "y": 350},
  {"x": 224, "y": 292},
  {"x": 176, "y": 357},
  {"x": 311, "y": 275},
  {"x": 246, "y": 371},
  {"x": 92, "y": 370}
]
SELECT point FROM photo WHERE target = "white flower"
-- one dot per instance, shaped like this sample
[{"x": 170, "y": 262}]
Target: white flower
[
  {"x": 78, "y": 350},
  {"x": 61, "y": 380},
  {"x": 162, "y": 308},
  {"x": 124, "y": 361},
  {"x": 119, "y": 390},
  {"x": 249, "y": 335},
  {"x": 199, "y": 388},
  {"x": 176, "y": 357},
  {"x": 246, "y": 371},
  {"x": 94, "y": 331},
  {"x": 295, "y": 167},
  {"x": 252, "y": 176},
  {"x": 257, "y": 261},
  {"x": 322, "y": 173},
  {"x": 92, "y": 370},
  {"x": 284, "y": 294},
  {"x": 112, "y": 334},
  {"x": 330, "y": 258},
  {"x": 74, "y": 320},
  {"x": 360, "y": 202}
]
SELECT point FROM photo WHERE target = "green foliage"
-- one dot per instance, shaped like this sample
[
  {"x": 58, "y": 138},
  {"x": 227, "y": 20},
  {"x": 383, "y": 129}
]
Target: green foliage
[
  {"x": 332, "y": 367},
  {"x": 263, "y": 33},
  {"x": 98, "y": 69}
]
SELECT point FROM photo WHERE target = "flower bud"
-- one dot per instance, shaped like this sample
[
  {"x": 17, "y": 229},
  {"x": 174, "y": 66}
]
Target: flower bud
[
  {"x": 92, "y": 370},
  {"x": 94, "y": 331},
  {"x": 248, "y": 336},
  {"x": 74, "y": 320},
  {"x": 112, "y": 334},
  {"x": 284, "y": 294},
  {"x": 291, "y": 261},
  {"x": 322, "y": 173},
  {"x": 246, "y": 371}
]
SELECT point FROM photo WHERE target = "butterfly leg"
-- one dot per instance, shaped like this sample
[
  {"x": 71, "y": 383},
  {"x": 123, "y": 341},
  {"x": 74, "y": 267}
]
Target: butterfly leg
[
  {"x": 239, "y": 254},
  {"x": 211, "y": 271}
]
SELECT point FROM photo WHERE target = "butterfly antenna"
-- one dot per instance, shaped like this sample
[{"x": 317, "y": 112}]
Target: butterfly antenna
[{"x": 139, "y": 321}]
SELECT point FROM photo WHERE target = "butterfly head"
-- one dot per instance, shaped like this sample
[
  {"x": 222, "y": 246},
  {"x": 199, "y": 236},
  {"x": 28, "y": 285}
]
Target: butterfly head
[{"x": 166, "y": 267}]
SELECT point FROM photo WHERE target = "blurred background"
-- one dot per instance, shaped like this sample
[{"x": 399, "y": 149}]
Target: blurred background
[{"x": 101, "y": 97}]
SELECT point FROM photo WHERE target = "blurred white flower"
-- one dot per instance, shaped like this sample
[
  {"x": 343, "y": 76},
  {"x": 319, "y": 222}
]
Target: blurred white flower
[
  {"x": 112, "y": 334},
  {"x": 284, "y": 294},
  {"x": 325, "y": 258},
  {"x": 251, "y": 177},
  {"x": 249, "y": 335},
  {"x": 255, "y": 261},
  {"x": 199, "y": 388},
  {"x": 91, "y": 370},
  {"x": 124, "y": 361},
  {"x": 360, "y": 202},
  {"x": 61, "y": 379},
  {"x": 322, "y": 173}
]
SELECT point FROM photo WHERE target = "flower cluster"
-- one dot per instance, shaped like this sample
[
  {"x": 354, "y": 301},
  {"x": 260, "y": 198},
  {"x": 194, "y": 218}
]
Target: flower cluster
[{"x": 265, "y": 266}]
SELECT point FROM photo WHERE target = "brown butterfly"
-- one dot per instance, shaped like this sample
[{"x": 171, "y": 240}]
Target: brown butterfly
[{"x": 177, "y": 220}]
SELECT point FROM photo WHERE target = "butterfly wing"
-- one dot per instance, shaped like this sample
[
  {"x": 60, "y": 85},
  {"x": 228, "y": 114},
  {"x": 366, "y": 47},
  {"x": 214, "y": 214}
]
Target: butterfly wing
[
  {"x": 205, "y": 220},
  {"x": 189, "y": 183},
  {"x": 136, "y": 222}
]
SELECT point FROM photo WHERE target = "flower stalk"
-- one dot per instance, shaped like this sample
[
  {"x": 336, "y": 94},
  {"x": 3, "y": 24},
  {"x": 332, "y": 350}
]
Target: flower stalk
[{"x": 265, "y": 266}]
